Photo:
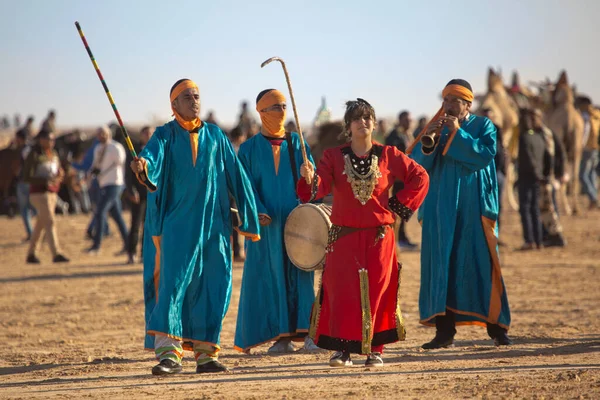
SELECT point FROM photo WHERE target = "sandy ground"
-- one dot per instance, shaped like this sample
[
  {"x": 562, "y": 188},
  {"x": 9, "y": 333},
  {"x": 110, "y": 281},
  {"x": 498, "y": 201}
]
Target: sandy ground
[{"x": 76, "y": 331}]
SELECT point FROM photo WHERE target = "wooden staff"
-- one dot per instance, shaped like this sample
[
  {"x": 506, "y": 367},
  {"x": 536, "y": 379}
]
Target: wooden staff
[{"x": 287, "y": 78}]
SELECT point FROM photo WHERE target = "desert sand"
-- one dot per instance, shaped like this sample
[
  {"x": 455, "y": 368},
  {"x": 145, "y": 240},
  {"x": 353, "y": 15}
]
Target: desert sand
[{"x": 76, "y": 331}]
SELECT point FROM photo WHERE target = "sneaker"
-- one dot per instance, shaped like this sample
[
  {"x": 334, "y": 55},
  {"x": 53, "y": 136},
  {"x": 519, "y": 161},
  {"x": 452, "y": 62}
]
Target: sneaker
[
  {"x": 374, "y": 360},
  {"x": 340, "y": 359},
  {"x": 130, "y": 259},
  {"x": 92, "y": 251},
  {"x": 282, "y": 346},
  {"x": 32, "y": 259},
  {"x": 310, "y": 346},
  {"x": 59, "y": 258},
  {"x": 167, "y": 367},
  {"x": 211, "y": 366}
]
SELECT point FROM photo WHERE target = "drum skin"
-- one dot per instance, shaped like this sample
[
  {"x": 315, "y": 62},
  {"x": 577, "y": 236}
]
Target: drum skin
[{"x": 305, "y": 235}]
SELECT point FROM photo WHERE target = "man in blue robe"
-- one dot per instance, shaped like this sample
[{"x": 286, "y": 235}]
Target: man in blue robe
[
  {"x": 276, "y": 297},
  {"x": 461, "y": 280},
  {"x": 187, "y": 250}
]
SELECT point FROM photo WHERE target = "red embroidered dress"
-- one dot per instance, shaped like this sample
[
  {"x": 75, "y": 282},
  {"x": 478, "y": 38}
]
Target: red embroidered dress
[{"x": 357, "y": 308}]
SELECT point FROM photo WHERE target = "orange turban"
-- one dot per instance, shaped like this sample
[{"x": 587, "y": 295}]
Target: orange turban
[
  {"x": 177, "y": 90},
  {"x": 272, "y": 121},
  {"x": 459, "y": 91}
]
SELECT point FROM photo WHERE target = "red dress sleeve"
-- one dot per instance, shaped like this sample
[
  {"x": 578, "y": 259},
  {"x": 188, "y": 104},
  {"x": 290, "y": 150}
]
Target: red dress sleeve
[
  {"x": 416, "y": 183},
  {"x": 321, "y": 185}
]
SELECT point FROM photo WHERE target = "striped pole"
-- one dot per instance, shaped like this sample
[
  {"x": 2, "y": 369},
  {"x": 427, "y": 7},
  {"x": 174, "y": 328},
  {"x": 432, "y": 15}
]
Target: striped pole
[{"x": 143, "y": 176}]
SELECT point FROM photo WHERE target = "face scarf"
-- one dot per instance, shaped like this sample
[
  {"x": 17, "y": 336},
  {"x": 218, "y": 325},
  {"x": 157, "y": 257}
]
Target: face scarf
[
  {"x": 455, "y": 90},
  {"x": 272, "y": 121},
  {"x": 185, "y": 124}
]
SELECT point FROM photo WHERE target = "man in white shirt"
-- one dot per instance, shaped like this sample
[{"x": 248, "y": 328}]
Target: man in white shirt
[{"x": 108, "y": 167}]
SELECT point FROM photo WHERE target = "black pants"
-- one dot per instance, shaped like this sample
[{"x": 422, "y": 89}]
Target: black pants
[
  {"x": 402, "y": 232},
  {"x": 529, "y": 208},
  {"x": 445, "y": 326},
  {"x": 138, "y": 214},
  {"x": 236, "y": 244}
]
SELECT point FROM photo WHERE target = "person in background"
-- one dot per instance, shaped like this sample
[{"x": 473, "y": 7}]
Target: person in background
[
  {"x": 400, "y": 138},
  {"x": 420, "y": 126},
  {"x": 108, "y": 167},
  {"x": 589, "y": 157},
  {"x": 136, "y": 192},
  {"x": 42, "y": 171},
  {"x": 534, "y": 170}
]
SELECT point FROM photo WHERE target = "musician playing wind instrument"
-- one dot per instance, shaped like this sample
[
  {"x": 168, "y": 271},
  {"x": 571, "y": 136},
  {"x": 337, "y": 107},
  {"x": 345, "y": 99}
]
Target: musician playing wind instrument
[
  {"x": 276, "y": 297},
  {"x": 357, "y": 309},
  {"x": 461, "y": 281}
]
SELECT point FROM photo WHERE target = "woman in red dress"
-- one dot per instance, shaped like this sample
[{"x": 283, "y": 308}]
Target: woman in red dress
[{"x": 357, "y": 309}]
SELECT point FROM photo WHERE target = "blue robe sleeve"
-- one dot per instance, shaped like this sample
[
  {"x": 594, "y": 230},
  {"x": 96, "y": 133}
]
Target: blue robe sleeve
[
  {"x": 473, "y": 153},
  {"x": 244, "y": 158},
  {"x": 242, "y": 191},
  {"x": 425, "y": 160},
  {"x": 153, "y": 153}
]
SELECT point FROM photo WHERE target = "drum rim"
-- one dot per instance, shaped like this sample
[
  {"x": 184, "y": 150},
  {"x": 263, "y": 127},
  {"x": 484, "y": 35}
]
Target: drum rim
[{"x": 320, "y": 264}]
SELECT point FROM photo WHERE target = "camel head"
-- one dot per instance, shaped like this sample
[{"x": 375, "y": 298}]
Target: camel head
[
  {"x": 563, "y": 93},
  {"x": 495, "y": 84}
]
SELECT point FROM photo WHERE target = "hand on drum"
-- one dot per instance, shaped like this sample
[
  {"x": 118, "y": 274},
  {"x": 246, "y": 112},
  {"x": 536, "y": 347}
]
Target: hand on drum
[
  {"x": 307, "y": 171},
  {"x": 264, "y": 219}
]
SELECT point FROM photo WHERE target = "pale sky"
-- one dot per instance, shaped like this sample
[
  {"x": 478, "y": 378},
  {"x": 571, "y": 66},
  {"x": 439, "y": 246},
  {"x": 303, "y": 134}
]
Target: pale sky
[{"x": 395, "y": 54}]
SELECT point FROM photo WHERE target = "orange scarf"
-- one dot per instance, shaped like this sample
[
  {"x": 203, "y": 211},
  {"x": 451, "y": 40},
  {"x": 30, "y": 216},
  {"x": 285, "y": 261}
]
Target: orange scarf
[
  {"x": 455, "y": 90},
  {"x": 185, "y": 124},
  {"x": 272, "y": 121}
]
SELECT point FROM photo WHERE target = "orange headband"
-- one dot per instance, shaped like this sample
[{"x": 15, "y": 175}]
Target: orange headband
[
  {"x": 187, "y": 84},
  {"x": 187, "y": 125},
  {"x": 271, "y": 98},
  {"x": 458, "y": 91}
]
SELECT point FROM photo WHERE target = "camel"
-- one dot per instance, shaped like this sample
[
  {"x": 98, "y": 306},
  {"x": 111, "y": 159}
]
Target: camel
[
  {"x": 521, "y": 94},
  {"x": 506, "y": 116},
  {"x": 328, "y": 135},
  {"x": 567, "y": 123}
]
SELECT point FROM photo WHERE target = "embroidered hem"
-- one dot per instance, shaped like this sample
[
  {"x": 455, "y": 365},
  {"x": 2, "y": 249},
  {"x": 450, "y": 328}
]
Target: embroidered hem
[{"x": 355, "y": 346}]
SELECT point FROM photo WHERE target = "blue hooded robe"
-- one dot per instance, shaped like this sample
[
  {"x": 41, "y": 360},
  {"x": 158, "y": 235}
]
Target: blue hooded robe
[
  {"x": 276, "y": 297},
  {"x": 460, "y": 265},
  {"x": 187, "y": 248}
]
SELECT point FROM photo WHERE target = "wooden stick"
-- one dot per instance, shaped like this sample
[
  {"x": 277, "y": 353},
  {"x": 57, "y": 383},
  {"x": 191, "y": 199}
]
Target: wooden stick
[{"x": 287, "y": 78}]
